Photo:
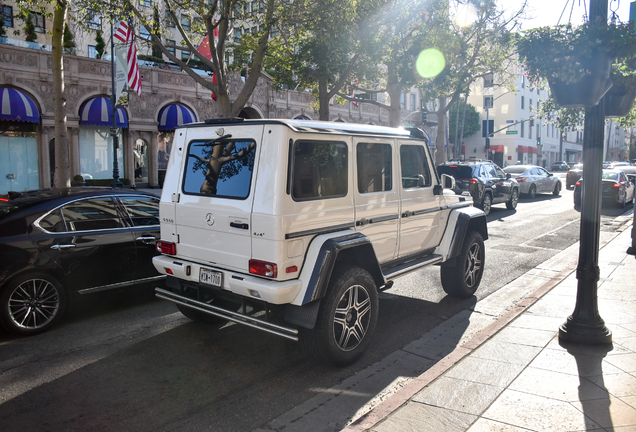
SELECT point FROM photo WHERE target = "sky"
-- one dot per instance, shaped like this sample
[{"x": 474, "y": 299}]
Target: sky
[{"x": 547, "y": 12}]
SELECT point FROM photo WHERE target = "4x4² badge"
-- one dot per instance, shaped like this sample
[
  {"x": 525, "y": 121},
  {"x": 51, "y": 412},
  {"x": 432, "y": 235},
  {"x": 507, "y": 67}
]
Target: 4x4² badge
[{"x": 209, "y": 219}]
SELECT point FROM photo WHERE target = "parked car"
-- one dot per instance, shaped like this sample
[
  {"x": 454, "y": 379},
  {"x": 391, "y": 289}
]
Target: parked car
[
  {"x": 303, "y": 252},
  {"x": 57, "y": 243},
  {"x": 615, "y": 165},
  {"x": 484, "y": 181},
  {"x": 616, "y": 189},
  {"x": 573, "y": 175},
  {"x": 534, "y": 179},
  {"x": 560, "y": 166}
]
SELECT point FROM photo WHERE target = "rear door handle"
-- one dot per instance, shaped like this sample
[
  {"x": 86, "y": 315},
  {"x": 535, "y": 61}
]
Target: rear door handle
[
  {"x": 147, "y": 239},
  {"x": 63, "y": 246},
  {"x": 239, "y": 225}
]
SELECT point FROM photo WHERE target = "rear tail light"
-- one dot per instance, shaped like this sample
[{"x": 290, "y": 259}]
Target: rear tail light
[
  {"x": 263, "y": 268},
  {"x": 578, "y": 183},
  {"x": 520, "y": 179},
  {"x": 472, "y": 180},
  {"x": 165, "y": 247},
  {"x": 617, "y": 185}
]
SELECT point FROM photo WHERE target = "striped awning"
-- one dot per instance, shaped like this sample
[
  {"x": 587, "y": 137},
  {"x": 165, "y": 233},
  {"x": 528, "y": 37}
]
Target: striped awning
[
  {"x": 174, "y": 115},
  {"x": 17, "y": 106},
  {"x": 98, "y": 111}
]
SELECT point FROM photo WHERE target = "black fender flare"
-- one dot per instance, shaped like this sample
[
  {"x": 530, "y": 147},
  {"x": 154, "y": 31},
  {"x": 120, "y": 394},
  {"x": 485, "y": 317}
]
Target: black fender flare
[{"x": 465, "y": 223}]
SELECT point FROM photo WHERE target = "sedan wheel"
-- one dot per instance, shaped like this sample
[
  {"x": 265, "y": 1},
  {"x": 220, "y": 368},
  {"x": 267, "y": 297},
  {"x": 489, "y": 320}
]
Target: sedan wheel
[
  {"x": 557, "y": 189},
  {"x": 31, "y": 304},
  {"x": 533, "y": 191}
]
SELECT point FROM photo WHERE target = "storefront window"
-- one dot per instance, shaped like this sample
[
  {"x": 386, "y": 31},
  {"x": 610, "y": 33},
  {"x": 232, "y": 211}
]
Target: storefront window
[{"x": 96, "y": 153}]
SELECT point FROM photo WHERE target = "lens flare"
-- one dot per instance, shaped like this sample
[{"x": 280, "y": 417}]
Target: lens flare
[
  {"x": 430, "y": 63},
  {"x": 465, "y": 15}
]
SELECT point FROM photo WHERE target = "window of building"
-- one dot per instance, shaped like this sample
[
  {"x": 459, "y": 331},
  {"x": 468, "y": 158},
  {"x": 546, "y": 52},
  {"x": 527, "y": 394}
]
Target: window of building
[
  {"x": 38, "y": 22},
  {"x": 491, "y": 127},
  {"x": 523, "y": 102},
  {"x": 231, "y": 180},
  {"x": 412, "y": 102},
  {"x": 92, "y": 52},
  {"x": 530, "y": 129},
  {"x": 523, "y": 81},
  {"x": 402, "y": 101},
  {"x": 185, "y": 54},
  {"x": 170, "y": 46},
  {"x": 530, "y": 104},
  {"x": 415, "y": 173},
  {"x": 538, "y": 132},
  {"x": 169, "y": 20},
  {"x": 145, "y": 3},
  {"x": 94, "y": 21},
  {"x": 185, "y": 22},
  {"x": 7, "y": 15},
  {"x": 374, "y": 167},
  {"x": 143, "y": 32},
  {"x": 320, "y": 170},
  {"x": 488, "y": 102}
]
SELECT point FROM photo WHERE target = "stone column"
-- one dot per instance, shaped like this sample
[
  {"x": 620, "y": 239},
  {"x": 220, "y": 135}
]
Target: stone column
[
  {"x": 74, "y": 157},
  {"x": 129, "y": 158},
  {"x": 153, "y": 173}
]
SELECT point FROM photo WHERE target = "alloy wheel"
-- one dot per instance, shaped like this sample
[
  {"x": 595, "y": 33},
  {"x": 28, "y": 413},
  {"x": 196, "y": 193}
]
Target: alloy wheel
[
  {"x": 352, "y": 318},
  {"x": 33, "y": 304},
  {"x": 473, "y": 265}
]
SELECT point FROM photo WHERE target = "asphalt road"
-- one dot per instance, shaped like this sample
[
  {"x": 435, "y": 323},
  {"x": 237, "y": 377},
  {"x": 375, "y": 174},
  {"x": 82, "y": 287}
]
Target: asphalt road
[{"x": 128, "y": 361}]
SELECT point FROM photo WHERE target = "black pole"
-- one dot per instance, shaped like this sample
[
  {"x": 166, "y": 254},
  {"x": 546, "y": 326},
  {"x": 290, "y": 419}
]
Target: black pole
[
  {"x": 585, "y": 325},
  {"x": 113, "y": 130}
]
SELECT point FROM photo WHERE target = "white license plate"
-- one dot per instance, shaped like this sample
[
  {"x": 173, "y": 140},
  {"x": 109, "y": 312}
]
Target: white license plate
[{"x": 211, "y": 277}]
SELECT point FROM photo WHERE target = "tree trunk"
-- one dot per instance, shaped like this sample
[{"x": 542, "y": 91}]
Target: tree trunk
[
  {"x": 393, "y": 90},
  {"x": 62, "y": 176},
  {"x": 323, "y": 99}
]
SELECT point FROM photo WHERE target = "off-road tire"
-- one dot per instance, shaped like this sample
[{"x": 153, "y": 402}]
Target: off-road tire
[
  {"x": 346, "y": 320},
  {"x": 32, "y": 303},
  {"x": 514, "y": 199},
  {"x": 462, "y": 280}
]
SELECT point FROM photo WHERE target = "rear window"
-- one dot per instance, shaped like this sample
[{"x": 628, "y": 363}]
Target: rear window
[
  {"x": 319, "y": 170},
  {"x": 457, "y": 171},
  {"x": 577, "y": 167},
  {"x": 219, "y": 168}
]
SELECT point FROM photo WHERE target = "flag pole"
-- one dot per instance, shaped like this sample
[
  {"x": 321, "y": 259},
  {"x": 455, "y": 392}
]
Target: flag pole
[{"x": 113, "y": 130}]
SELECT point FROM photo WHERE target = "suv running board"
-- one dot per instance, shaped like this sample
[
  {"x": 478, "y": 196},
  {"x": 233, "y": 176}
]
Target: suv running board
[
  {"x": 410, "y": 265},
  {"x": 239, "y": 318}
]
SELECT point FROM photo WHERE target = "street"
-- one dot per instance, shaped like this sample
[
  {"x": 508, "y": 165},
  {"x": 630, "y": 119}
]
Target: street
[{"x": 129, "y": 361}]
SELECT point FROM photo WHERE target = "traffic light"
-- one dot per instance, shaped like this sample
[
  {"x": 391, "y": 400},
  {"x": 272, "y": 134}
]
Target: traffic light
[
  {"x": 539, "y": 140},
  {"x": 487, "y": 145},
  {"x": 424, "y": 116}
]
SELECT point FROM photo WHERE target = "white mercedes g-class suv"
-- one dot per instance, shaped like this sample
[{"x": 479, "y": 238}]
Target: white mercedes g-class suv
[{"x": 292, "y": 227}]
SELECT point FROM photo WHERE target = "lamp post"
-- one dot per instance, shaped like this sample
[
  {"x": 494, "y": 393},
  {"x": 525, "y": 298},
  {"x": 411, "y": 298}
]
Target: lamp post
[
  {"x": 113, "y": 130},
  {"x": 585, "y": 325}
]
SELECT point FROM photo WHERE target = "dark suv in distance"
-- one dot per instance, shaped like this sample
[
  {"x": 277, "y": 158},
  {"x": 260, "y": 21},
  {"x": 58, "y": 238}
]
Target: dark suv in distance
[{"x": 484, "y": 181}]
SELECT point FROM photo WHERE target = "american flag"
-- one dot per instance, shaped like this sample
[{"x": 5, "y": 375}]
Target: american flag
[
  {"x": 206, "y": 50},
  {"x": 125, "y": 35}
]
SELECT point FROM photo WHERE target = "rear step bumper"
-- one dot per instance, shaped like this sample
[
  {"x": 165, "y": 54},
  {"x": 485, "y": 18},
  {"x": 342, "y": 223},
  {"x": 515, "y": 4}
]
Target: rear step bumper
[{"x": 239, "y": 318}]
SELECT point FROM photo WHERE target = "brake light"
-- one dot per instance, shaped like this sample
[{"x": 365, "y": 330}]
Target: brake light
[
  {"x": 617, "y": 185},
  {"x": 452, "y": 166},
  {"x": 472, "y": 180},
  {"x": 578, "y": 183},
  {"x": 263, "y": 268},
  {"x": 166, "y": 247},
  {"x": 520, "y": 179},
  {"x": 4, "y": 199}
]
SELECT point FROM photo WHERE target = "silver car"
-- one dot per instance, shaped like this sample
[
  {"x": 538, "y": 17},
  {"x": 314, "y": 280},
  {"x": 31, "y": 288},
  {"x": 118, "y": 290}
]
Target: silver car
[{"x": 534, "y": 179}]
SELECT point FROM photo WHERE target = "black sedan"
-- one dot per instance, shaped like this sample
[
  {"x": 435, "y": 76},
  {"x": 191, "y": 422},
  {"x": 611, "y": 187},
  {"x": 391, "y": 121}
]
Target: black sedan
[
  {"x": 616, "y": 188},
  {"x": 573, "y": 175},
  {"x": 57, "y": 243}
]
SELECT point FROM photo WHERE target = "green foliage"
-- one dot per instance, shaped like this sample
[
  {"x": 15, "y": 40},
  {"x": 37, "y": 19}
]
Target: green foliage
[
  {"x": 30, "y": 34},
  {"x": 78, "y": 178},
  {"x": 567, "y": 52},
  {"x": 100, "y": 44},
  {"x": 68, "y": 39},
  {"x": 156, "y": 29},
  {"x": 471, "y": 121}
]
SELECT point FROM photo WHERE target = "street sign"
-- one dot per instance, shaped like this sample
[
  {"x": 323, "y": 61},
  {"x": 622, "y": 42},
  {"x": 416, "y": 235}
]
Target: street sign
[{"x": 511, "y": 132}]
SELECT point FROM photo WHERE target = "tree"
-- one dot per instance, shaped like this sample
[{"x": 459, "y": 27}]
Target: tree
[
  {"x": 29, "y": 29},
  {"x": 204, "y": 18},
  {"x": 62, "y": 177},
  {"x": 100, "y": 44},
  {"x": 470, "y": 52},
  {"x": 320, "y": 45},
  {"x": 156, "y": 30},
  {"x": 68, "y": 40},
  {"x": 471, "y": 121}
]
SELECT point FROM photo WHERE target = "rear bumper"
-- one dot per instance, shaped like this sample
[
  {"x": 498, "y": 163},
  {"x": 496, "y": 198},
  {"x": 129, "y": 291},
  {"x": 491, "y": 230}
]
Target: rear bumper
[{"x": 270, "y": 291}]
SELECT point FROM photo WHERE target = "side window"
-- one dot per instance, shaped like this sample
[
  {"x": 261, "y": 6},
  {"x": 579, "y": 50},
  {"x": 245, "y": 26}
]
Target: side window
[
  {"x": 374, "y": 167},
  {"x": 91, "y": 214},
  {"x": 53, "y": 222},
  {"x": 220, "y": 168},
  {"x": 320, "y": 170},
  {"x": 499, "y": 172},
  {"x": 143, "y": 211},
  {"x": 415, "y": 172}
]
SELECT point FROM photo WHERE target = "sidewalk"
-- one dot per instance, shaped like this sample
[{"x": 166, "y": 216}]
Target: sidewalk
[{"x": 513, "y": 375}]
